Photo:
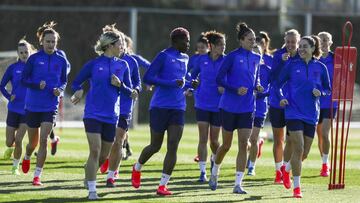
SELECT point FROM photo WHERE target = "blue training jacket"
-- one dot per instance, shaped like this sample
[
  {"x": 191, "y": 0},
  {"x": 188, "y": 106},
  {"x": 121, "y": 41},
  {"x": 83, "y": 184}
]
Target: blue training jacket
[
  {"x": 168, "y": 66},
  {"x": 325, "y": 101},
  {"x": 207, "y": 96},
  {"x": 277, "y": 66},
  {"x": 52, "y": 68},
  {"x": 262, "y": 98},
  {"x": 239, "y": 69},
  {"x": 13, "y": 74},
  {"x": 126, "y": 102},
  {"x": 142, "y": 62},
  {"x": 302, "y": 78},
  {"x": 102, "y": 100},
  {"x": 268, "y": 59}
]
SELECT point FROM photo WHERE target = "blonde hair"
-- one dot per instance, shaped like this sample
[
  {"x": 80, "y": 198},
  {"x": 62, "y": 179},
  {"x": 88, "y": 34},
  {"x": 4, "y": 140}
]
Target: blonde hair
[
  {"x": 109, "y": 36},
  {"x": 294, "y": 33},
  {"x": 23, "y": 42},
  {"x": 328, "y": 35}
]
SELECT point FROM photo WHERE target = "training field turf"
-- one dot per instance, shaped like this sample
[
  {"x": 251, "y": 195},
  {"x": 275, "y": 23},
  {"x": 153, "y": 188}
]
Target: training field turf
[{"x": 63, "y": 175}]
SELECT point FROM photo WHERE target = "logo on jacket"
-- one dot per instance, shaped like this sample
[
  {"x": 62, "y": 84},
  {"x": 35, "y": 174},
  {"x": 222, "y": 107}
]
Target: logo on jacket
[
  {"x": 41, "y": 63},
  {"x": 18, "y": 71},
  {"x": 241, "y": 61},
  {"x": 205, "y": 63},
  {"x": 101, "y": 68},
  {"x": 297, "y": 71},
  {"x": 173, "y": 60}
]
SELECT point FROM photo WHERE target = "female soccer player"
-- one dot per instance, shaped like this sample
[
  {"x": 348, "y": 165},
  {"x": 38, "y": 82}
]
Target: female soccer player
[
  {"x": 108, "y": 76},
  {"x": 45, "y": 76},
  {"x": 307, "y": 80},
  {"x": 167, "y": 107},
  {"x": 261, "y": 107},
  {"x": 276, "y": 112},
  {"x": 202, "y": 47},
  {"x": 323, "y": 126},
  {"x": 207, "y": 97},
  {"x": 237, "y": 75},
  {"x": 15, "y": 120}
]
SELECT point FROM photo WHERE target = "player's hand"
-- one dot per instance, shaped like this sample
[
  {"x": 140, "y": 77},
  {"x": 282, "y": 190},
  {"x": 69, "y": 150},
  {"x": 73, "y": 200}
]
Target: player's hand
[
  {"x": 12, "y": 98},
  {"x": 115, "y": 81},
  {"x": 285, "y": 56},
  {"x": 284, "y": 102},
  {"x": 57, "y": 91},
  {"x": 188, "y": 93},
  {"x": 221, "y": 90},
  {"x": 195, "y": 83},
  {"x": 77, "y": 96},
  {"x": 316, "y": 92},
  {"x": 42, "y": 84},
  {"x": 242, "y": 91},
  {"x": 180, "y": 83},
  {"x": 134, "y": 94},
  {"x": 260, "y": 88}
]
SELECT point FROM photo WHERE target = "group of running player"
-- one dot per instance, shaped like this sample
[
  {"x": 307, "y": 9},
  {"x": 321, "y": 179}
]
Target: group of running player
[{"x": 231, "y": 92}]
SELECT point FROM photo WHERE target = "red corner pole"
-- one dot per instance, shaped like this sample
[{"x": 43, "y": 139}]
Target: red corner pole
[{"x": 342, "y": 92}]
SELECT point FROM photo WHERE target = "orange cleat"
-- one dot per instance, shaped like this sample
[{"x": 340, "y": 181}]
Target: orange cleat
[
  {"x": 135, "y": 178},
  {"x": 163, "y": 191},
  {"x": 104, "y": 167},
  {"x": 297, "y": 193}
]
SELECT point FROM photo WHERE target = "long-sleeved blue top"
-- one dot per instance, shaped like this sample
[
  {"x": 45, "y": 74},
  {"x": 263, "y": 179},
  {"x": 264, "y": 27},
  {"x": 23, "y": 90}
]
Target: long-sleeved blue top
[
  {"x": 51, "y": 68},
  {"x": 13, "y": 74},
  {"x": 126, "y": 102},
  {"x": 207, "y": 96},
  {"x": 267, "y": 59},
  {"x": 262, "y": 98},
  {"x": 302, "y": 78},
  {"x": 193, "y": 61},
  {"x": 102, "y": 100},
  {"x": 168, "y": 66},
  {"x": 277, "y": 66},
  {"x": 238, "y": 69},
  {"x": 325, "y": 101},
  {"x": 142, "y": 62}
]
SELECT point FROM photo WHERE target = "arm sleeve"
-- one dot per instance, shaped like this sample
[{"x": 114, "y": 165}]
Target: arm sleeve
[
  {"x": 85, "y": 74},
  {"x": 277, "y": 63},
  {"x": 5, "y": 79},
  {"x": 135, "y": 77},
  {"x": 325, "y": 79},
  {"x": 126, "y": 85},
  {"x": 26, "y": 75},
  {"x": 144, "y": 63},
  {"x": 63, "y": 77},
  {"x": 265, "y": 82},
  {"x": 221, "y": 75},
  {"x": 151, "y": 77},
  {"x": 282, "y": 79}
]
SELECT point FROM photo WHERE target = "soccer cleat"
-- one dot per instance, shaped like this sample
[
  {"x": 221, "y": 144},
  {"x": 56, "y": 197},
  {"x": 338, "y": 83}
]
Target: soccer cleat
[
  {"x": 251, "y": 171},
  {"x": 36, "y": 181},
  {"x": 325, "y": 170},
  {"x": 196, "y": 158},
  {"x": 162, "y": 190},
  {"x": 54, "y": 145},
  {"x": 135, "y": 178},
  {"x": 286, "y": 180},
  {"x": 297, "y": 193},
  {"x": 247, "y": 163},
  {"x": 25, "y": 166},
  {"x": 15, "y": 170},
  {"x": 213, "y": 182},
  {"x": 202, "y": 178},
  {"x": 282, "y": 168},
  {"x": 260, "y": 144},
  {"x": 8, "y": 152},
  {"x": 239, "y": 190},
  {"x": 110, "y": 182},
  {"x": 116, "y": 174},
  {"x": 104, "y": 167},
  {"x": 278, "y": 177},
  {"x": 93, "y": 196}
]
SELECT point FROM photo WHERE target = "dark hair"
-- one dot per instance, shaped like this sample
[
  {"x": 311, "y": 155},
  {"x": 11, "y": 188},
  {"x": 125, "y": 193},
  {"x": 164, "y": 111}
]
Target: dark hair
[
  {"x": 47, "y": 28},
  {"x": 214, "y": 37},
  {"x": 242, "y": 30},
  {"x": 179, "y": 33},
  {"x": 202, "y": 39},
  {"x": 314, "y": 41},
  {"x": 264, "y": 35}
]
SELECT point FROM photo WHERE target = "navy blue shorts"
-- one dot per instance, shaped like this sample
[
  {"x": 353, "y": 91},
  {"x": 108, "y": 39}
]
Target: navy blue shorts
[
  {"x": 296, "y": 125},
  {"x": 106, "y": 130},
  {"x": 14, "y": 119},
  {"x": 34, "y": 119},
  {"x": 326, "y": 113},
  {"x": 259, "y": 122},
  {"x": 124, "y": 122},
  {"x": 208, "y": 116},
  {"x": 161, "y": 118},
  {"x": 277, "y": 117},
  {"x": 232, "y": 121}
]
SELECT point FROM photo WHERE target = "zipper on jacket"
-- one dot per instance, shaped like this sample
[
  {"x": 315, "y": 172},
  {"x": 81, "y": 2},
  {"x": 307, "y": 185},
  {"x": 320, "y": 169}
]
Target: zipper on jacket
[{"x": 49, "y": 64}]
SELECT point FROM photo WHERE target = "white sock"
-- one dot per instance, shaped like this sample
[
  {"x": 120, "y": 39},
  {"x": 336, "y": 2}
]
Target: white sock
[
  {"x": 16, "y": 162},
  {"x": 54, "y": 139},
  {"x": 110, "y": 174},
  {"x": 251, "y": 164},
  {"x": 164, "y": 179},
  {"x": 325, "y": 158},
  {"x": 238, "y": 177},
  {"x": 284, "y": 163},
  {"x": 37, "y": 172},
  {"x": 216, "y": 169},
  {"x": 26, "y": 157},
  {"x": 138, "y": 166},
  {"x": 92, "y": 186},
  {"x": 202, "y": 166},
  {"x": 288, "y": 167},
  {"x": 296, "y": 181},
  {"x": 212, "y": 157},
  {"x": 278, "y": 165}
]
